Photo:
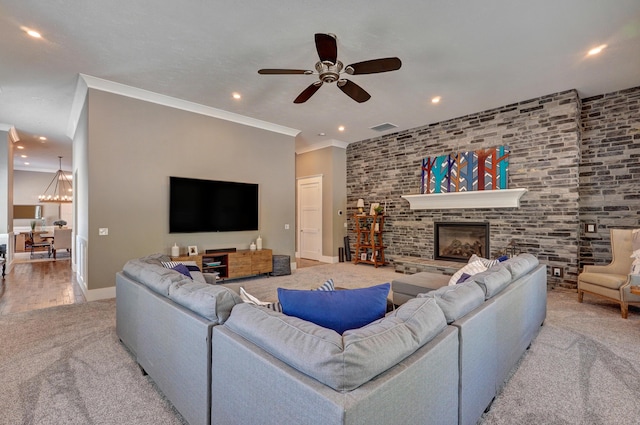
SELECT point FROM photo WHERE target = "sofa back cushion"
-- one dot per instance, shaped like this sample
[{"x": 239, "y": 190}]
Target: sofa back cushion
[
  {"x": 337, "y": 310},
  {"x": 342, "y": 362},
  {"x": 521, "y": 264},
  {"x": 150, "y": 272},
  {"x": 492, "y": 281},
  {"x": 212, "y": 302},
  {"x": 457, "y": 300}
]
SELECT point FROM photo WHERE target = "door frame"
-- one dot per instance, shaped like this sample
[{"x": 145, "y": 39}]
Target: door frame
[{"x": 299, "y": 181}]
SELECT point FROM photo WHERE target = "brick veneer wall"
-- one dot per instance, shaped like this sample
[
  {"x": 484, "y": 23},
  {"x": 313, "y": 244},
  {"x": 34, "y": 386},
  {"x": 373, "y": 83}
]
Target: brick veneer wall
[
  {"x": 610, "y": 170},
  {"x": 544, "y": 138}
]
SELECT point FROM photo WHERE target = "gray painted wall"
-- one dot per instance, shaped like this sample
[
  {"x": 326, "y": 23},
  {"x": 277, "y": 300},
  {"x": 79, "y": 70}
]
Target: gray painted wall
[
  {"x": 331, "y": 163},
  {"x": 132, "y": 147},
  {"x": 6, "y": 184}
]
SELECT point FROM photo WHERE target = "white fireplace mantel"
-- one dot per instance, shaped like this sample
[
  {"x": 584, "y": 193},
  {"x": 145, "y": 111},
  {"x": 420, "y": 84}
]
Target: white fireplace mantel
[{"x": 501, "y": 198}]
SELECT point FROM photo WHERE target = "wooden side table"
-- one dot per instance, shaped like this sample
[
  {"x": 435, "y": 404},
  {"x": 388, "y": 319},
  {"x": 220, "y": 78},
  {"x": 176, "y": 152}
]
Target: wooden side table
[{"x": 635, "y": 289}]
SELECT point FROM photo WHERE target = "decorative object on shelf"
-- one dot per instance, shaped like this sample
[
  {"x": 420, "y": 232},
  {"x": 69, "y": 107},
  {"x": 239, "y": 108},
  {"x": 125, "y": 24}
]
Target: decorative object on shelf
[
  {"x": 259, "y": 243},
  {"x": 512, "y": 249},
  {"x": 175, "y": 250},
  {"x": 466, "y": 171},
  {"x": 193, "y": 250},
  {"x": 33, "y": 225},
  {"x": 61, "y": 188},
  {"x": 379, "y": 209},
  {"x": 360, "y": 206},
  {"x": 60, "y": 223},
  {"x": 252, "y": 247},
  {"x": 372, "y": 209}
]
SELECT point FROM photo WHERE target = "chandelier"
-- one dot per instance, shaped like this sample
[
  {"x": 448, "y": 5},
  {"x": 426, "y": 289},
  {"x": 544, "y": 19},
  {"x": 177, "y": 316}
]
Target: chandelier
[{"x": 61, "y": 188}]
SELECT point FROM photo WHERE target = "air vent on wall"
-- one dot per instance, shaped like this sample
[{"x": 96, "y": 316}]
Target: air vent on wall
[{"x": 384, "y": 126}]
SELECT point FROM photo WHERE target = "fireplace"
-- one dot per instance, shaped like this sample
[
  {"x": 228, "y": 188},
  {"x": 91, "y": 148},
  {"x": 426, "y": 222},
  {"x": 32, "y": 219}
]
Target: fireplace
[{"x": 457, "y": 241}]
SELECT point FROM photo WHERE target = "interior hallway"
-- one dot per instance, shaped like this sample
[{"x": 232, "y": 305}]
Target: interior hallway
[{"x": 39, "y": 284}]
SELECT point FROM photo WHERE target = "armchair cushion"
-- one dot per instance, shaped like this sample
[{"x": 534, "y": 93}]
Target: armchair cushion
[{"x": 612, "y": 281}]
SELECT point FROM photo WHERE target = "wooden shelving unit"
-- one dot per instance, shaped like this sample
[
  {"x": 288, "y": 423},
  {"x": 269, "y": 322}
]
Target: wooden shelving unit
[
  {"x": 233, "y": 264},
  {"x": 369, "y": 242}
]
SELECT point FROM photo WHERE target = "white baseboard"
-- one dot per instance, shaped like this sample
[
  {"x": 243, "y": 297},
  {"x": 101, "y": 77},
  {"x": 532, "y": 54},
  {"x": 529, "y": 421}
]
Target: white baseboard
[{"x": 97, "y": 294}]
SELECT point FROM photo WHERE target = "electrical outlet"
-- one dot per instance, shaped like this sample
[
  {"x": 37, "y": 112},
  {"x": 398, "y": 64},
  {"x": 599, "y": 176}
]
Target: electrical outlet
[
  {"x": 286, "y": 227},
  {"x": 556, "y": 271},
  {"x": 103, "y": 231}
]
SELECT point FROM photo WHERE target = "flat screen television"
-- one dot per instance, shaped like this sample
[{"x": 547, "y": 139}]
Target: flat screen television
[{"x": 211, "y": 206}]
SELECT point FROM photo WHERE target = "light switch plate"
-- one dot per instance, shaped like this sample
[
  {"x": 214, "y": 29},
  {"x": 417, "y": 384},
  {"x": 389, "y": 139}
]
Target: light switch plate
[{"x": 103, "y": 231}]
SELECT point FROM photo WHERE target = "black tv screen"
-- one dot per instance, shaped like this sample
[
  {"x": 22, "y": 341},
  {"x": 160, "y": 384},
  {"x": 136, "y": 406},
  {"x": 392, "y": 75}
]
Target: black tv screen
[{"x": 211, "y": 206}]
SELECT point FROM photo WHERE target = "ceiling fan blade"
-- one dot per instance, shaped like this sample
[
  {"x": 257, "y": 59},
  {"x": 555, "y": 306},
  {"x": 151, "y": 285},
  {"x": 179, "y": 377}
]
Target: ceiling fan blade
[
  {"x": 283, "y": 71},
  {"x": 354, "y": 91},
  {"x": 327, "y": 48},
  {"x": 308, "y": 92},
  {"x": 374, "y": 66}
]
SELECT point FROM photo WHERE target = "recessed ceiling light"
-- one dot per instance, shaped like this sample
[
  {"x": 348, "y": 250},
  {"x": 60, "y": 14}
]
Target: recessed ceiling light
[
  {"x": 321, "y": 134},
  {"x": 20, "y": 147},
  {"x": 42, "y": 138},
  {"x": 26, "y": 163},
  {"x": 341, "y": 128},
  {"x": 436, "y": 99},
  {"x": 23, "y": 156},
  {"x": 597, "y": 50},
  {"x": 237, "y": 96},
  {"x": 32, "y": 33}
]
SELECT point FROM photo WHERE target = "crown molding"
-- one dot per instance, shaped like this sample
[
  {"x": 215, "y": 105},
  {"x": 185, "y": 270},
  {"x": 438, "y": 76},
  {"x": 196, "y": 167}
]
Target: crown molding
[
  {"x": 87, "y": 81},
  {"x": 321, "y": 145}
]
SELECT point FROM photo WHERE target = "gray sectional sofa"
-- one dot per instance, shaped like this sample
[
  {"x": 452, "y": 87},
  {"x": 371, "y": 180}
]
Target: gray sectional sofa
[{"x": 440, "y": 358}]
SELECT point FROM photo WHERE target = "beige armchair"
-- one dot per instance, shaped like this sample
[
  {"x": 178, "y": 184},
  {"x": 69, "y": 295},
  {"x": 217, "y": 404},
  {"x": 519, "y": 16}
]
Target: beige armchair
[
  {"x": 613, "y": 281},
  {"x": 61, "y": 240}
]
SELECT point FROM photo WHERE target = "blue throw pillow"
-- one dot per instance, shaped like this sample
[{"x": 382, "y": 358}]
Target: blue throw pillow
[
  {"x": 182, "y": 269},
  {"x": 337, "y": 310},
  {"x": 463, "y": 278}
]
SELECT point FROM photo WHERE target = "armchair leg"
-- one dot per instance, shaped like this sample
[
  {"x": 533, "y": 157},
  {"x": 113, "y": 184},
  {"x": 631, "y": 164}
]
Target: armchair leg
[
  {"x": 580, "y": 296},
  {"x": 624, "y": 307}
]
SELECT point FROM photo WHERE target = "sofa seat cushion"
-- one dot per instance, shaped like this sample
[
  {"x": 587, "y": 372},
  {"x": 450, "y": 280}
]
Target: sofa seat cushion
[
  {"x": 414, "y": 284},
  {"x": 457, "y": 300},
  {"x": 612, "y": 281},
  {"x": 337, "y": 310},
  {"x": 342, "y": 362},
  {"x": 209, "y": 301},
  {"x": 154, "y": 276}
]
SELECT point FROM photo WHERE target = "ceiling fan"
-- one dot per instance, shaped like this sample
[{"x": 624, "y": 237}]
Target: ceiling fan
[{"x": 329, "y": 68}]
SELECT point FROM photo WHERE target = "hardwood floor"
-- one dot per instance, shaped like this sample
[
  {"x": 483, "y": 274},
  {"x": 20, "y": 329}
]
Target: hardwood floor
[{"x": 39, "y": 284}]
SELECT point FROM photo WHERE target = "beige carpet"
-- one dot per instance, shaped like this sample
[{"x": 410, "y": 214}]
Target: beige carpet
[{"x": 344, "y": 275}]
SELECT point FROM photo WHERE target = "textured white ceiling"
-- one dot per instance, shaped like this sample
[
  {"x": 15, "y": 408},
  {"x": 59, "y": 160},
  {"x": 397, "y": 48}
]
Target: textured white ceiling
[{"x": 477, "y": 55}]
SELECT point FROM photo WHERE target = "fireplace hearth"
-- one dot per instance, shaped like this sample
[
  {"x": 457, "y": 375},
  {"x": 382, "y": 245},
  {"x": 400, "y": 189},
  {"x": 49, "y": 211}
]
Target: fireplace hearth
[{"x": 457, "y": 241}]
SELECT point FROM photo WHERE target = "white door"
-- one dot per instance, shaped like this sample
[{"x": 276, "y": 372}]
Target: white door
[{"x": 310, "y": 218}]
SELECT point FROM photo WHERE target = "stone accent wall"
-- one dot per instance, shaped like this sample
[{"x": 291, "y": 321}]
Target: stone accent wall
[
  {"x": 609, "y": 171},
  {"x": 543, "y": 135}
]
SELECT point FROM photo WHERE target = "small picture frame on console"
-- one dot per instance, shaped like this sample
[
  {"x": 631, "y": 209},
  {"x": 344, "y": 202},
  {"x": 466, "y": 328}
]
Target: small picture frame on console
[{"x": 193, "y": 250}]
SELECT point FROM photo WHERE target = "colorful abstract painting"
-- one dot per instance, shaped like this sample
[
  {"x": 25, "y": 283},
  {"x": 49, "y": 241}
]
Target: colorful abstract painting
[{"x": 484, "y": 169}]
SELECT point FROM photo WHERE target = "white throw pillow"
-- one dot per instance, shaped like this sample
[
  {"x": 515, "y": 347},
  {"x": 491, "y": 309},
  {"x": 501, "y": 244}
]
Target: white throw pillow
[
  {"x": 470, "y": 269},
  {"x": 635, "y": 266}
]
